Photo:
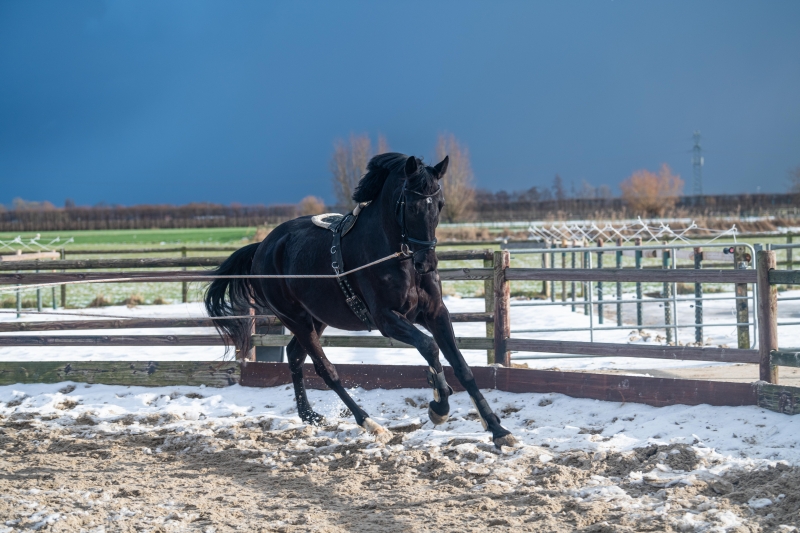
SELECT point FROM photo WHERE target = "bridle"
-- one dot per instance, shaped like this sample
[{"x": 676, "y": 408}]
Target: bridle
[{"x": 406, "y": 245}]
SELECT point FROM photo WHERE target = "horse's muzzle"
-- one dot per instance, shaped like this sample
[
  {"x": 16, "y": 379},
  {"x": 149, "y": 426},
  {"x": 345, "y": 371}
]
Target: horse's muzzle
[{"x": 425, "y": 262}]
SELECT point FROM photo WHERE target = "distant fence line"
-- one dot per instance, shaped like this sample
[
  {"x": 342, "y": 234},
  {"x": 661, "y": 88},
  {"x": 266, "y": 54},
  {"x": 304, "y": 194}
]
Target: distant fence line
[
  {"x": 145, "y": 217},
  {"x": 502, "y": 206},
  {"x": 489, "y": 207}
]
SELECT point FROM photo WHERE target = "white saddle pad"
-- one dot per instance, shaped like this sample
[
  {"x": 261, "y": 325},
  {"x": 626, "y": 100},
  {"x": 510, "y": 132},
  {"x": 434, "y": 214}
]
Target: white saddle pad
[{"x": 326, "y": 220}]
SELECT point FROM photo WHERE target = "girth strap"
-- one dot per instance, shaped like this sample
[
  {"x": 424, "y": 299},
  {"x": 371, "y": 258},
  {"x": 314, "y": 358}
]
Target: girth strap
[{"x": 353, "y": 301}]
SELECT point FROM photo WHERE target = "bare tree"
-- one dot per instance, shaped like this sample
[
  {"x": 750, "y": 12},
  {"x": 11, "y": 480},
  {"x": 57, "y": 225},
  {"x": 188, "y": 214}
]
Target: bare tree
[
  {"x": 311, "y": 205},
  {"x": 558, "y": 189},
  {"x": 794, "y": 181},
  {"x": 458, "y": 183},
  {"x": 647, "y": 193},
  {"x": 383, "y": 145},
  {"x": 349, "y": 164}
]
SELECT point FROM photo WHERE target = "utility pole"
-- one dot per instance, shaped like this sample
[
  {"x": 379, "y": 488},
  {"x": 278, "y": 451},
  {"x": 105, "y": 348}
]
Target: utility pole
[{"x": 697, "y": 167}]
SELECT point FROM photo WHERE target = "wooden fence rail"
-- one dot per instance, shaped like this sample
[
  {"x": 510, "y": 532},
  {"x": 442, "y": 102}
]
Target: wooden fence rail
[
  {"x": 145, "y": 323},
  {"x": 162, "y": 262}
]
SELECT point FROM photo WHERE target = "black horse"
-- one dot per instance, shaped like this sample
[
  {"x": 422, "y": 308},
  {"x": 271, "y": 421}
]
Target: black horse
[{"x": 406, "y": 199}]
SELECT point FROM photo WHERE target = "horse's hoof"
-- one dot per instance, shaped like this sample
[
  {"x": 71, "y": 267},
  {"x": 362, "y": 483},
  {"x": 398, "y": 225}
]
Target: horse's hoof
[
  {"x": 437, "y": 419},
  {"x": 382, "y": 434},
  {"x": 505, "y": 440},
  {"x": 315, "y": 419}
]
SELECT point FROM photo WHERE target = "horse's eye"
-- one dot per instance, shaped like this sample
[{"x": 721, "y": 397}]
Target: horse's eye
[{"x": 428, "y": 200}]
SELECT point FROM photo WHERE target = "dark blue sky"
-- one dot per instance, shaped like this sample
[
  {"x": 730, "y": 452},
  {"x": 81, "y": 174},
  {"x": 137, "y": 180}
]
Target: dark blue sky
[{"x": 173, "y": 102}]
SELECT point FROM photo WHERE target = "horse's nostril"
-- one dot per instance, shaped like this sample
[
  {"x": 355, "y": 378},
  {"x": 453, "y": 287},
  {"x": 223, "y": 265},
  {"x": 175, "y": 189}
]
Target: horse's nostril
[{"x": 419, "y": 266}]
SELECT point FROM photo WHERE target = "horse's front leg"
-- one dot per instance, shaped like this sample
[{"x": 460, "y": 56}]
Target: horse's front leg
[
  {"x": 442, "y": 329},
  {"x": 399, "y": 327}
]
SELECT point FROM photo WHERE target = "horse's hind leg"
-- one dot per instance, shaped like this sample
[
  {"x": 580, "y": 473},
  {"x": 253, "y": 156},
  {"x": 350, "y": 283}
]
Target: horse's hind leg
[
  {"x": 308, "y": 339},
  {"x": 297, "y": 356}
]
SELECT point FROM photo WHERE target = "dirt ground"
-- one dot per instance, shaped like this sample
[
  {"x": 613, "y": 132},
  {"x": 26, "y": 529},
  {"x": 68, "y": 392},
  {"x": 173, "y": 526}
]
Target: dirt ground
[{"x": 247, "y": 477}]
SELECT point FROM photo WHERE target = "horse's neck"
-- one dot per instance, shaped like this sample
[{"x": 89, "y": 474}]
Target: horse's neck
[{"x": 384, "y": 216}]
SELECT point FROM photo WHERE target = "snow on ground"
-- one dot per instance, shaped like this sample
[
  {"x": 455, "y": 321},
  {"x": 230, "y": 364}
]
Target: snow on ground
[
  {"x": 553, "y": 420},
  {"x": 522, "y": 317},
  {"x": 76, "y": 457}
]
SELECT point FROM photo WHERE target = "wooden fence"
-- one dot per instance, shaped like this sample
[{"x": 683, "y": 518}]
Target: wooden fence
[{"x": 496, "y": 275}]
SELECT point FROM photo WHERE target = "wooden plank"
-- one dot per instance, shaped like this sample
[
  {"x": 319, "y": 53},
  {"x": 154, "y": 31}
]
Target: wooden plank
[
  {"x": 85, "y": 264},
  {"x": 123, "y": 323},
  {"x": 29, "y": 257},
  {"x": 767, "y": 312},
  {"x": 463, "y": 255},
  {"x": 132, "y": 323},
  {"x": 26, "y": 262},
  {"x": 658, "y": 392},
  {"x": 691, "y": 353},
  {"x": 142, "y": 373},
  {"x": 779, "y": 398},
  {"x": 77, "y": 251},
  {"x": 365, "y": 341},
  {"x": 488, "y": 304},
  {"x": 111, "y": 340},
  {"x": 365, "y": 376},
  {"x": 652, "y": 391},
  {"x": 466, "y": 273},
  {"x": 50, "y": 277},
  {"x": 472, "y": 317},
  {"x": 687, "y": 275},
  {"x": 784, "y": 277},
  {"x": 785, "y": 357}
]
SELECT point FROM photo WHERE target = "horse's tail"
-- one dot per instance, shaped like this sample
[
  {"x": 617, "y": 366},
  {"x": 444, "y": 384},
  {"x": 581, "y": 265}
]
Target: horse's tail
[{"x": 239, "y": 294}]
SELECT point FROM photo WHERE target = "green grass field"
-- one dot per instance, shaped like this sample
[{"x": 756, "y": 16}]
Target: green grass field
[{"x": 143, "y": 237}]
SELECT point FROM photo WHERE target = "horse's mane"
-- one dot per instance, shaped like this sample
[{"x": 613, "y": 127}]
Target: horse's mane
[{"x": 378, "y": 169}]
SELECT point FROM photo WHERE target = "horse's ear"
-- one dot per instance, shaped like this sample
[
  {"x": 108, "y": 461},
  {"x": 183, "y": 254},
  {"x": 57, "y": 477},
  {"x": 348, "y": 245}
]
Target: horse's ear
[
  {"x": 412, "y": 166},
  {"x": 441, "y": 168}
]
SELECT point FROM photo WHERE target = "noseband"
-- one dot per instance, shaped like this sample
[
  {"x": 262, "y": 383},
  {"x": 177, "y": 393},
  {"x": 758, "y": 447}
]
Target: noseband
[{"x": 406, "y": 246}]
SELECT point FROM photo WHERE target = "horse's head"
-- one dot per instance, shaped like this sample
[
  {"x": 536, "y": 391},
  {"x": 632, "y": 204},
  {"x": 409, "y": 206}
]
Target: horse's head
[{"x": 418, "y": 207}]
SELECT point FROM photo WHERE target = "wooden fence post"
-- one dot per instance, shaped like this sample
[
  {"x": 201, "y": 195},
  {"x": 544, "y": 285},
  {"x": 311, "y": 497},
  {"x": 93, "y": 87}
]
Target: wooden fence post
[
  {"x": 38, "y": 295},
  {"x": 572, "y": 245},
  {"x": 563, "y": 265},
  {"x": 251, "y": 353},
  {"x": 488, "y": 297},
  {"x": 600, "y": 284},
  {"x": 585, "y": 284},
  {"x": 552, "y": 265},
  {"x": 184, "y": 285},
  {"x": 502, "y": 319},
  {"x": 19, "y": 299},
  {"x": 638, "y": 264},
  {"x": 546, "y": 264},
  {"x": 667, "y": 296},
  {"x": 767, "y": 315},
  {"x": 619, "y": 284},
  {"x": 742, "y": 311},
  {"x": 698, "y": 299},
  {"x": 789, "y": 262},
  {"x": 63, "y": 287}
]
